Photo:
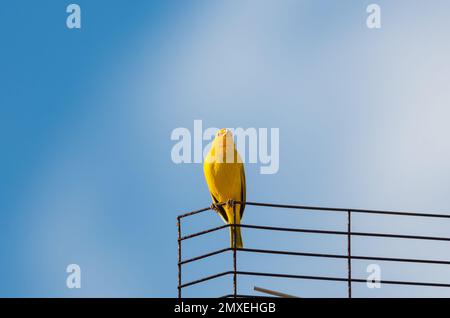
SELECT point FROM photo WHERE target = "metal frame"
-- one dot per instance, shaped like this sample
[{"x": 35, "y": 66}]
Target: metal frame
[{"x": 349, "y": 256}]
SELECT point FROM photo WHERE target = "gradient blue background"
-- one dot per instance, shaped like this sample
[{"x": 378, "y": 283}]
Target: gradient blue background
[{"x": 86, "y": 115}]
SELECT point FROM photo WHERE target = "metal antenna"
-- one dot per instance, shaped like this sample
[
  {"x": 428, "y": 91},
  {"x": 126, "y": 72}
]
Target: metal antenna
[{"x": 273, "y": 293}]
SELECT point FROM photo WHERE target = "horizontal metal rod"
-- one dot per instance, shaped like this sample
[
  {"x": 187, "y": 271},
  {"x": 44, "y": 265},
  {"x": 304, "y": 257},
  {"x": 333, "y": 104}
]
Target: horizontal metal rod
[
  {"x": 324, "y": 255},
  {"x": 264, "y": 251},
  {"x": 340, "y": 279},
  {"x": 273, "y": 292},
  {"x": 287, "y": 229},
  {"x": 409, "y": 237},
  {"x": 204, "y": 232},
  {"x": 400, "y": 260},
  {"x": 198, "y": 211},
  {"x": 193, "y": 259},
  {"x": 317, "y": 208},
  {"x": 193, "y": 213},
  {"x": 201, "y": 280},
  {"x": 308, "y": 277},
  {"x": 368, "y": 258},
  {"x": 260, "y": 227},
  {"x": 327, "y": 278},
  {"x": 301, "y": 230},
  {"x": 245, "y": 296}
]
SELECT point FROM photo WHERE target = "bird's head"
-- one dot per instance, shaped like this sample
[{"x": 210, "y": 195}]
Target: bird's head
[
  {"x": 224, "y": 137},
  {"x": 224, "y": 147},
  {"x": 223, "y": 133}
]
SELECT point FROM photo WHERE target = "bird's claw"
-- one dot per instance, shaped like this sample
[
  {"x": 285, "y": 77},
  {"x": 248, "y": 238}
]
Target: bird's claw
[
  {"x": 214, "y": 207},
  {"x": 230, "y": 203}
]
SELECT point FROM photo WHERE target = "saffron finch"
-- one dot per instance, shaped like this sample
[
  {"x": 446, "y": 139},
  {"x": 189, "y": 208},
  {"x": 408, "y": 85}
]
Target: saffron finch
[{"x": 225, "y": 177}]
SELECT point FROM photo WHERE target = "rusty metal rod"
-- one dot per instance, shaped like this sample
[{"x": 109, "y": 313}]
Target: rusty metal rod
[
  {"x": 317, "y": 208},
  {"x": 301, "y": 230},
  {"x": 323, "y": 255},
  {"x": 273, "y": 292},
  {"x": 179, "y": 256},
  {"x": 320, "y": 278},
  {"x": 234, "y": 252},
  {"x": 193, "y": 259},
  {"x": 349, "y": 252}
]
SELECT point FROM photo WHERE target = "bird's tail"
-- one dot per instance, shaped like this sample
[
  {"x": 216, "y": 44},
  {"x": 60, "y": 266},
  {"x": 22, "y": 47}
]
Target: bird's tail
[{"x": 239, "y": 243}]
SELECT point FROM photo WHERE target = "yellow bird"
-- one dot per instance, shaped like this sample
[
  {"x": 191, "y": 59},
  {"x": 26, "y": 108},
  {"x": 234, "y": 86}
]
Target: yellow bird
[{"x": 225, "y": 177}]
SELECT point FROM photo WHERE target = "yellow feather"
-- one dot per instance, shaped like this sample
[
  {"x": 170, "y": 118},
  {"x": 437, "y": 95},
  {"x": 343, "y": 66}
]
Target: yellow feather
[{"x": 225, "y": 177}]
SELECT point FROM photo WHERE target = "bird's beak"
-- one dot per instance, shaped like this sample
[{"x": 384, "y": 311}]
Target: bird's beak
[{"x": 224, "y": 132}]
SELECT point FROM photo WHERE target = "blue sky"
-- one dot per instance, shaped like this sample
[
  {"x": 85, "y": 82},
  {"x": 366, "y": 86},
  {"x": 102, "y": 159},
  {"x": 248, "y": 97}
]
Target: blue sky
[{"x": 86, "y": 118}]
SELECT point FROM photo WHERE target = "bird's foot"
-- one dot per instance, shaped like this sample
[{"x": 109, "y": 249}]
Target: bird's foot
[
  {"x": 214, "y": 207},
  {"x": 231, "y": 203}
]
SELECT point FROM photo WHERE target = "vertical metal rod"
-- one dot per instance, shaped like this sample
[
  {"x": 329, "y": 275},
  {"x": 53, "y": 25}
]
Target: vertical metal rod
[
  {"x": 234, "y": 253},
  {"x": 349, "y": 252},
  {"x": 179, "y": 256}
]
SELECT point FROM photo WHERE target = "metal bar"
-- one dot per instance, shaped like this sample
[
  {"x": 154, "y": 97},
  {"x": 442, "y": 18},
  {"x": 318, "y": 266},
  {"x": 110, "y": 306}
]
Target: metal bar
[
  {"x": 245, "y": 296},
  {"x": 234, "y": 252},
  {"x": 290, "y": 206},
  {"x": 286, "y": 229},
  {"x": 201, "y": 280},
  {"x": 263, "y": 251},
  {"x": 349, "y": 255},
  {"x": 189, "y": 260},
  {"x": 204, "y": 232},
  {"x": 300, "y": 230},
  {"x": 199, "y": 211},
  {"x": 349, "y": 252},
  {"x": 341, "y": 279},
  {"x": 179, "y": 256},
  {"x": 338, "y": 256},
  {"x": 305, "y": 207},
  {"x": 317, "y": 208},
  {"x": 405, "y": 260},
  {"x": 308, "y": 277},
  {"x": 272, "y": 292},
  {"x": 410, "y": 237},
  {"x": 194, "y": 212},
  {"x": 326, "y": 278},
  {"x": 353, "y": 257},
  {"x": 414, "y": 214}
]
